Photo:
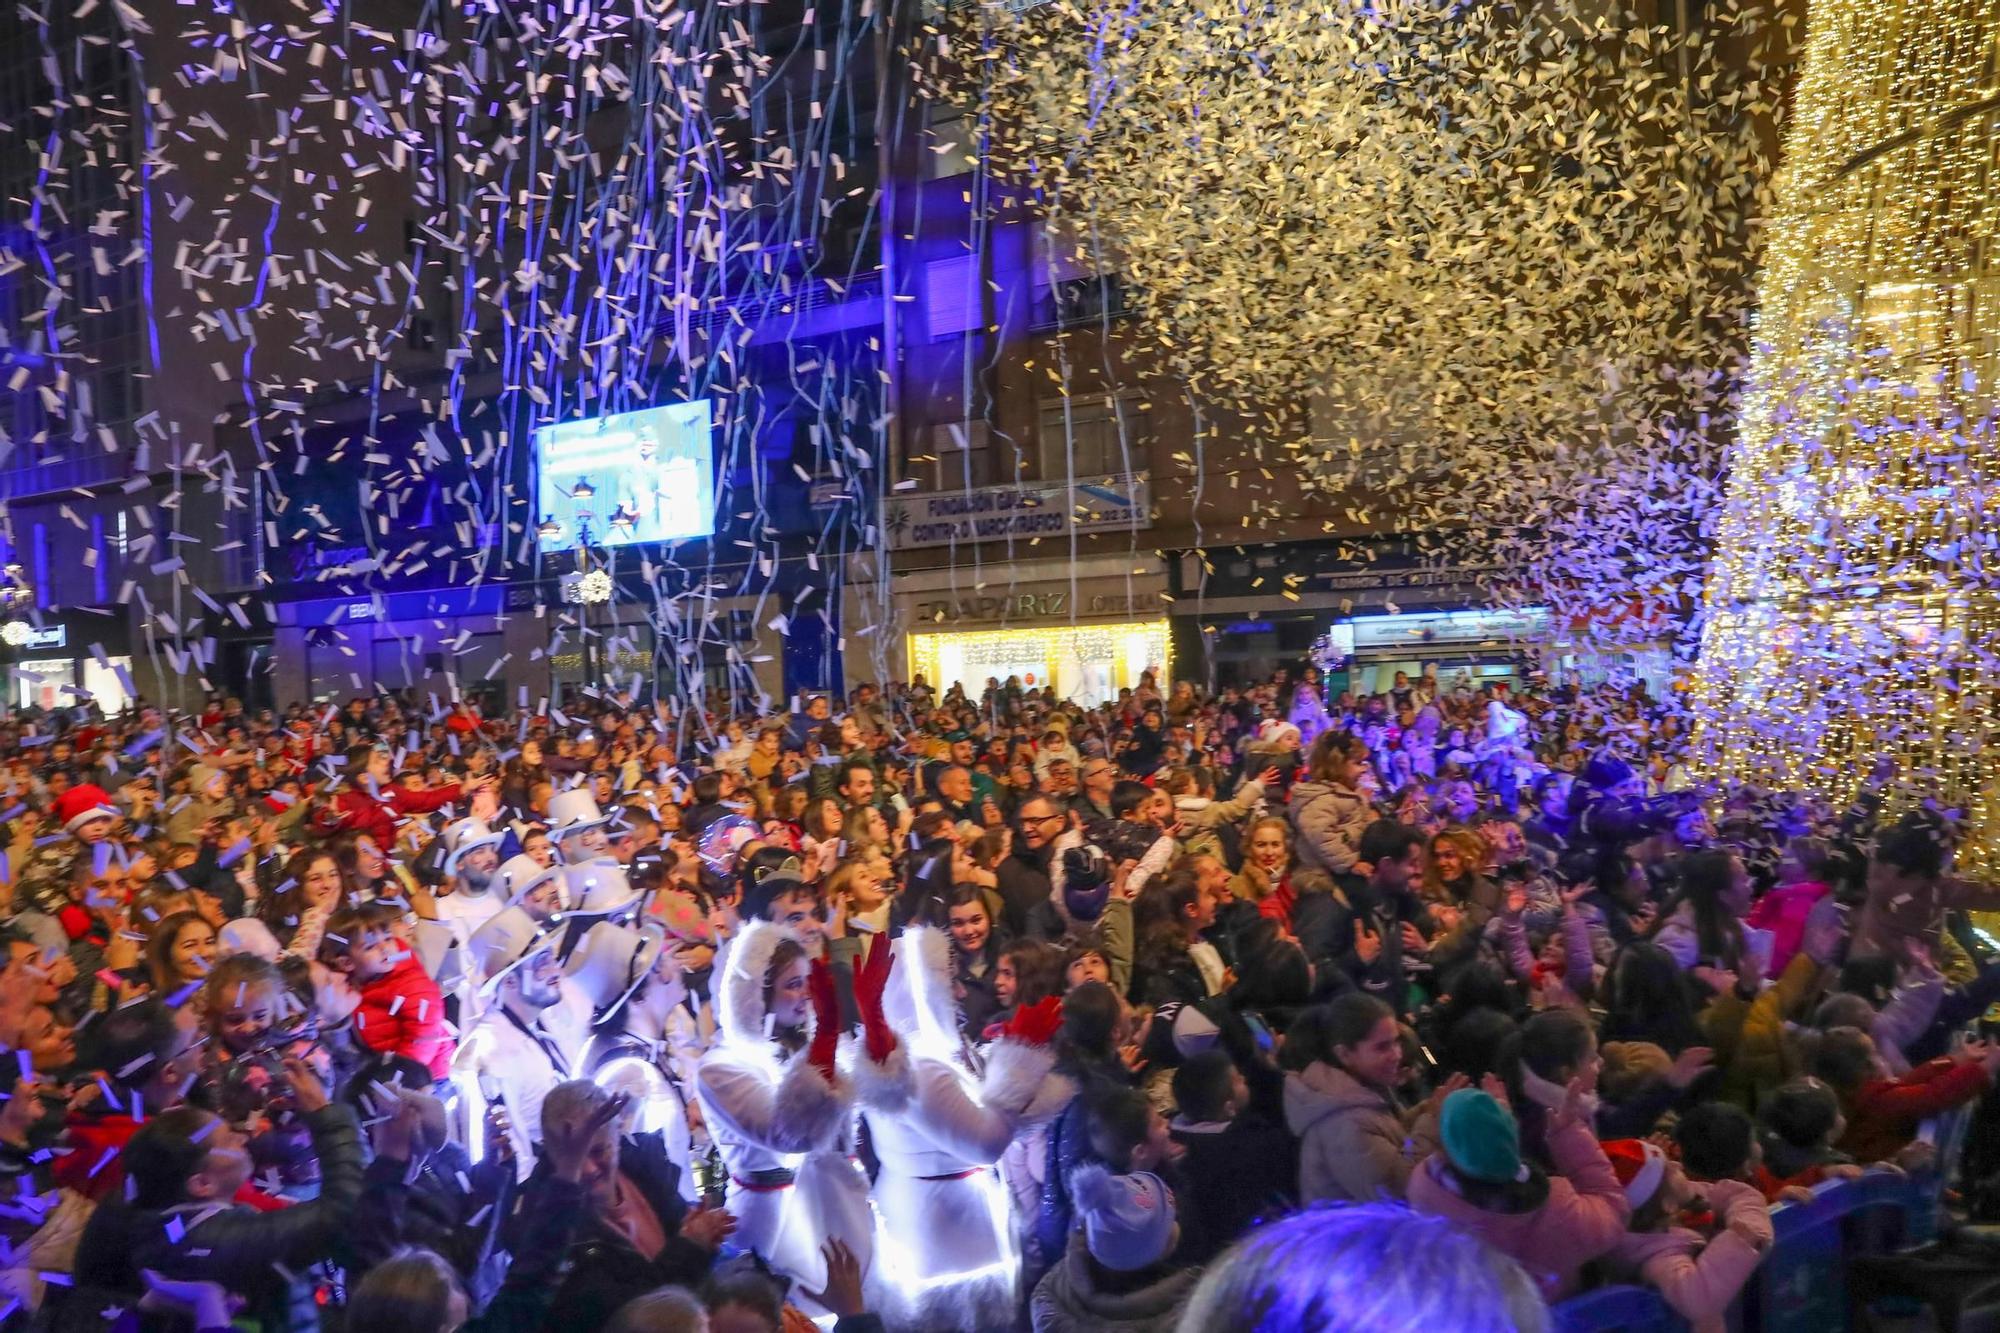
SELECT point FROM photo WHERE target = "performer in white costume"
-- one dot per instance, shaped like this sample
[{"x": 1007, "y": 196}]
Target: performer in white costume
[
  {"x": 634, "y": 984},
  {"x": 779, "y": 1111},
  {"x": 939, "y": 1118},
  {"x": 508, "y": 1058}
]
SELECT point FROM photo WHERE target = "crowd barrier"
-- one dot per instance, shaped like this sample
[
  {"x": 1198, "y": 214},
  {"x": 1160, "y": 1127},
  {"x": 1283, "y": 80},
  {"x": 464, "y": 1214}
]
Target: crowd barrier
[{"x": 1806, "y": 1282}]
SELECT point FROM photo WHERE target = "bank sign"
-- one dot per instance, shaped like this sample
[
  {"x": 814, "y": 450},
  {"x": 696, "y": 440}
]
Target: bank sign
[{"x": 1020, "y": 513}]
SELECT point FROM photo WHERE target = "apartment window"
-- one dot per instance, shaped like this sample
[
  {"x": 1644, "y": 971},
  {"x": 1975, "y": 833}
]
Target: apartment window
[
  {"x": 1087, "y": 436},
  {"x": 964, "y": 456}
]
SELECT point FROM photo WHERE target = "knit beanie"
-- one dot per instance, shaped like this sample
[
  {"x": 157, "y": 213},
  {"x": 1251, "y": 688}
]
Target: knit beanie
[
  {"x": 1481, "y": 1138},
  {"x": 1128, "y": 1221}
]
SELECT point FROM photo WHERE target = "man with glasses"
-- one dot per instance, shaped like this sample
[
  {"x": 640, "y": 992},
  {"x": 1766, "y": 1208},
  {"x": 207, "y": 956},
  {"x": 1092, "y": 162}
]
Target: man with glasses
[
  {"x": 1098, "y": 777},
  {"x": 1024, "y": 874}
]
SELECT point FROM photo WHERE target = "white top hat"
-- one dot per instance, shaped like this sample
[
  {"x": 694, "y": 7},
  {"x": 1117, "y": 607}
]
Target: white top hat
[
  {"x": 573, "y": 811},
  {"x": 599, "y": 888},
  {"x": 521, "y": 875},
  {"x": 611, "y": 962},
  {"x": 510, "y": 939},
  {"x": 464, "y": 836}
]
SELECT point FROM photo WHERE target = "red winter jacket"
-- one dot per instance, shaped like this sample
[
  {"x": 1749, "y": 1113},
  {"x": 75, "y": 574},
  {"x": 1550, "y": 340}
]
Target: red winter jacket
[
  {"x": 402, "y": 1013},
  {"x": 1883, "y": 1114},
  {"x": 377, "y": 816}
]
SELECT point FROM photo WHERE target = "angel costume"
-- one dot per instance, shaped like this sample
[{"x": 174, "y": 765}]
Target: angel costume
[
  {"x": 940, "y": 1115},
  {"x": 784, "y": 1129}
]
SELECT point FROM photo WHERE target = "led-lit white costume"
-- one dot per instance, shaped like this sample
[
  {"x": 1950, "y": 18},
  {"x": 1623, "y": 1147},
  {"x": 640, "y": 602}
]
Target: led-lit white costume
[
  {"x": 939, "y": 1117},
  {"x": 636, "y": 989},
  {"x": 784, "y": 1129}
]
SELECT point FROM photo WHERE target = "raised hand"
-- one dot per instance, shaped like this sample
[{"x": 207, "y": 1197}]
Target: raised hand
[
  {"x": 1825, "y": 932},
  {"x": 1446, "y": 1088},
  {"x": 842, "y": 1296},
  {"x": 1036, "y": 1024},
  {"x": 826, "y": 1018},
  {"x": 400, "y": 1129},
  {"x": 567, "y": 1143},
  {"x": 869, "y": 983},
  {"x": 1690, "y": 1065},
  {"x": 708, "y": 1227},
  {"x": 1571, "y": 1109},
  {"x": 308, "y": 1092},
  {"x": 1718, "y": 979},
  {"x": 204, "y": 1304}
]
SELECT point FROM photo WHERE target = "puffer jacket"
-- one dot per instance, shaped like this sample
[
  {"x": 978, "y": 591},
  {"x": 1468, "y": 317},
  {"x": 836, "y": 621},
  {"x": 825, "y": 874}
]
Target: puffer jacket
[
  {"x": 1355, "y": 1144},
  {"x": 1552, "y": 1226},
  {"x": 1069, "y": 1299},
  {"x": 402, "y": 1013},
  {"x": 1328, "y": 820},
  {"x": 1699, "y": 1275},
  {"x": 266, "y": 1258},
  {"x": 1201, "y": 816}
]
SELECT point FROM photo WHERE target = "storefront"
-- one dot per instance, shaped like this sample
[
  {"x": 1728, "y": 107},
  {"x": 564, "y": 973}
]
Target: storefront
[
  {"x": 1089, "y": 636},
  {"x": 1462, "y": 648},
  {"x": 62, "y": 659}
]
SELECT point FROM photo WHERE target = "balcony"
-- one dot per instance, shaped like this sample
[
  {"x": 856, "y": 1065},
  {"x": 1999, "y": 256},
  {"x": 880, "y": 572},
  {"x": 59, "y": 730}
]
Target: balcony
[{"x": 81, "y": 466}]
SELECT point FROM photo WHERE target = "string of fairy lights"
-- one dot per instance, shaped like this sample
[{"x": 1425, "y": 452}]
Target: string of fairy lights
[{"x": 1855, "y": 596}]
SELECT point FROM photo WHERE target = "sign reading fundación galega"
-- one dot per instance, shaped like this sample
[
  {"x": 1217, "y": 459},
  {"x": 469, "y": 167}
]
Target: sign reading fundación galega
[{"x": 1020, "y": 513}]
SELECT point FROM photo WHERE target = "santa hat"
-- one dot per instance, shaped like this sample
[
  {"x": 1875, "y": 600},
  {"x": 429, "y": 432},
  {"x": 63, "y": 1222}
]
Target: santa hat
[
  {"x": 1640, "y": 1164},
  {"x": 79, "y": 805}
]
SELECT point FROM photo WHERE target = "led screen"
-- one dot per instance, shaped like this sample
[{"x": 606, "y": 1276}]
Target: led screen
[{"x": 634, "y": 477}]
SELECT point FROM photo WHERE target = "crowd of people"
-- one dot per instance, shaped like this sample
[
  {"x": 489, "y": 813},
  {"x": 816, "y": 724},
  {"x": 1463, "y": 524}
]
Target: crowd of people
[{"x": 926, "y": 1010}]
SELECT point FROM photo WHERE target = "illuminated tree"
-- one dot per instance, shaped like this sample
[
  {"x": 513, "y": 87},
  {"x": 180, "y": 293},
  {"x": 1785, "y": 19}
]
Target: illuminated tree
[{"x": 1853, "y": 604}]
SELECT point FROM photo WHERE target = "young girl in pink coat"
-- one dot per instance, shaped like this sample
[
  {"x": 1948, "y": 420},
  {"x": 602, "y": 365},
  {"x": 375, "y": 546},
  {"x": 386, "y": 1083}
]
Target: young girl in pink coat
[{"x": 1552, "y": 1225}]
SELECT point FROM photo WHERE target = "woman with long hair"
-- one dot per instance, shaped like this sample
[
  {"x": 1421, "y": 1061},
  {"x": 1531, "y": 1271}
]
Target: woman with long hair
[
  {"x": 822, "y": 827},
  {"x": 297, "y": 909},
  {"x": 1171, "y": 958},
  {"x": 368, "y": 872},
  {"x": 522, "y": 774},
  {"x": 1357, "y": 1141},
  {"x": 179, "y": 953},
  {"x": 1265, "y": 881},
  {"x": 1647, "y": 998},
  {"x": 1702, "y": 925},
  {"x": 1461, "y": 900}
]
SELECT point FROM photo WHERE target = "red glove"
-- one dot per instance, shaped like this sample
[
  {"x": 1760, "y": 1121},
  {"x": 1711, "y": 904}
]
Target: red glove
[
  {"x": 826, "y": 1018},
  {"x": 1035, "y": 1024},
  {"x": 869, "y": 983}
]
